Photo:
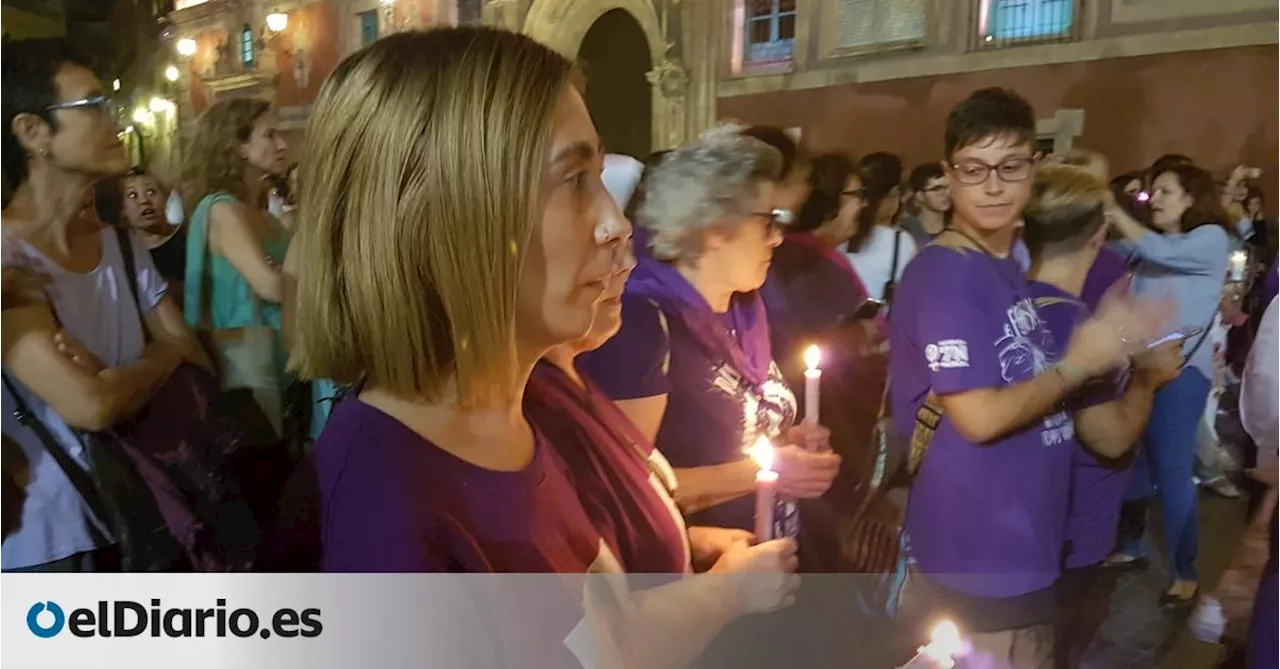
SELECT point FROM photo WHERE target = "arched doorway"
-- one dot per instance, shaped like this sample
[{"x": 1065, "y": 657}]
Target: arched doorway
[{"x": 615, "y": 56}]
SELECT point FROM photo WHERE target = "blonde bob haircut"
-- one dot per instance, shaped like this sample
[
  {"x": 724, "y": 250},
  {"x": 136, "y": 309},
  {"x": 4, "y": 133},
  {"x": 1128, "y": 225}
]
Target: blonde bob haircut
[
  {"x": 1066, "y": 209},
  {"x": 420, "y": 191}
]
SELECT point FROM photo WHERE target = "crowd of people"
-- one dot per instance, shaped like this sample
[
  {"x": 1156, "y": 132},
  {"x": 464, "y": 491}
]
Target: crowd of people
[{"x": 458, "y": 337}]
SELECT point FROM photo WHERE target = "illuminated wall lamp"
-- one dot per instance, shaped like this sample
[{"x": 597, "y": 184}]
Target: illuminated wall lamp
[
  {"x": 186, "y": 47},
  {"x": 277, "y": 22},
  {"x": 171, "y": 73}
]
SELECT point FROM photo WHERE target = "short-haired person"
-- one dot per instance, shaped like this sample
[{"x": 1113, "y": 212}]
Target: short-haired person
[
  {"x": 1185, "y": 258},
  {"x": 987, "y": 505},
  {"x": 932, "y": 196},
  {"x": 692, "y": 365},
  {"x": 1065, "y": 232},
  {"x": 58, "y": 138}
]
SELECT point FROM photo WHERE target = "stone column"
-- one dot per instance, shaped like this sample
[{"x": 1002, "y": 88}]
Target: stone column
[
  {"x": 670, "y": 84},
  {"x": 702, "y": 32}
]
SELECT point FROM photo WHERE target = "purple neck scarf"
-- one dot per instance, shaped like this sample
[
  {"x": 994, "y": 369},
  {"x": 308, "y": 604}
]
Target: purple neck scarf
[{"x": 749, "y": 353}]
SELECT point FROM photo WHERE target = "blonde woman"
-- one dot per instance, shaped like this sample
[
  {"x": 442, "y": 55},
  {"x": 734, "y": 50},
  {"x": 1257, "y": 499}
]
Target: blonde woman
[{"x": 235, "y": 248}]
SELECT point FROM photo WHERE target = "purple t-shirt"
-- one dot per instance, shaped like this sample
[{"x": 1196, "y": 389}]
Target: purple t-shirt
[
  {"x": 1097, "y": 484},
  {"x": 984, "y": 519},
  {"x": 608, "y": 462},
  {"x": 712, "y": 416},
  {"x": 1107, "y": 270},
  {"x": 394, "y": 502}
]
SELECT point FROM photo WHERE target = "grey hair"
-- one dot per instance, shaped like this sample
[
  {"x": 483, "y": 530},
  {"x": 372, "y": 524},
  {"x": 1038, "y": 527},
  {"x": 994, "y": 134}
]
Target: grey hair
[{"x": 697, "y": 185}]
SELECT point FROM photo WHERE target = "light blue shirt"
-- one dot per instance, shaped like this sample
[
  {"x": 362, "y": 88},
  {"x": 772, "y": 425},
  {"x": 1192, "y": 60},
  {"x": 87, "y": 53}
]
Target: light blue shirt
[
  {"x": 97, "y": 309},
  {"x": 1190, "y": 268}
]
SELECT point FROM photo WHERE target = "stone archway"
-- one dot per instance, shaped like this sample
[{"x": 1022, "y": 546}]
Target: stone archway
[
  {"x": 616, "y": 60},
  {"x": 564, "y": 24}
]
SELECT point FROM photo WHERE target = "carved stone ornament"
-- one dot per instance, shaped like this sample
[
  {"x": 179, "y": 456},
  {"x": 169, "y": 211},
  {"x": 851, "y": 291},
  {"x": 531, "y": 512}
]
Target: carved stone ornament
[{"x": 670, "y": 78}]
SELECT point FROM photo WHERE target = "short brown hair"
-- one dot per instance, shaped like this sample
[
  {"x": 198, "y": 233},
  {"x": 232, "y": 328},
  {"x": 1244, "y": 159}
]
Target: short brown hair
[{"x": 420, "y": 190}]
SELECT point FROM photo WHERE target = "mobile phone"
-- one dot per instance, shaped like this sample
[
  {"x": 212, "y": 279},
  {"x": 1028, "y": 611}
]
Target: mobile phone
[
  {"x": 1177, "y": 335},
  {"x": 868, "y": 309}
]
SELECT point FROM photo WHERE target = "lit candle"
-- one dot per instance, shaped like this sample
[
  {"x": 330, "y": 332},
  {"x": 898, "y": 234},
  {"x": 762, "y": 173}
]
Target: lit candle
[
  {"x": 944, "y": 645},
  {"x": 766, "y": 488},
  {"x": 1238, "y": 264},
  {"x": 812, "y": 384}
]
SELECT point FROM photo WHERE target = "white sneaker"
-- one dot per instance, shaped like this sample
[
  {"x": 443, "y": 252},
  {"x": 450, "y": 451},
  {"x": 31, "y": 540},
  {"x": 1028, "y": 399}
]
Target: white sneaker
[{"x": 1207, "y": 623}]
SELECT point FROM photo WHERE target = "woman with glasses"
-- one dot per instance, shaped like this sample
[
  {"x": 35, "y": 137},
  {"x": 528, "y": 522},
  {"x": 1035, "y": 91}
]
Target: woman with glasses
[
  {"x": 692, "y": 366},
  {"x": 235, "y": 248},
  {"x": 1183, "y": 258},
  {"x": 879, "y": 249},
  {"x": 59, "y": 137}
]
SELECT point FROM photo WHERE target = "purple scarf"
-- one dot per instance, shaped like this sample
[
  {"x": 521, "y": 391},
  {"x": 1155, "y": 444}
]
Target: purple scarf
[{"x": 750, "y": 353}]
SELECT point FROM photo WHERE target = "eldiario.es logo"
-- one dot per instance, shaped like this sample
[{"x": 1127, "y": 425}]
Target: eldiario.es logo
[{"x": 125, "y": 618}]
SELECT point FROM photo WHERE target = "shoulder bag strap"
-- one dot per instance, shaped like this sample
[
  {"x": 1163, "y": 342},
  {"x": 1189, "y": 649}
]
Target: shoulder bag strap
[
  {"x": 80, "y": 479},
  {"x": 893, "y": 267},
  {"x": 125, "y": 242},
  {"x": 1200, "y": 342}
]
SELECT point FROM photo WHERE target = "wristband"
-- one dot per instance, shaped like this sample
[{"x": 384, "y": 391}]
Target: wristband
[{"x": 1072, "y": 376}]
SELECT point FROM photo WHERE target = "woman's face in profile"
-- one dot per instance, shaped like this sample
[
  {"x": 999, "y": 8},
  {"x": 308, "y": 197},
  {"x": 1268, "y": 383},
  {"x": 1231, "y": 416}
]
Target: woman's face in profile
[{"x": 570, "y": 260}]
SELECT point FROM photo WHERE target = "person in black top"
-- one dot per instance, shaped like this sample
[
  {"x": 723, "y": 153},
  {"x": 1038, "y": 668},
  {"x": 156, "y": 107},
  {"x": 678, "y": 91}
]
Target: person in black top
[{"x": 137, "y": 200}]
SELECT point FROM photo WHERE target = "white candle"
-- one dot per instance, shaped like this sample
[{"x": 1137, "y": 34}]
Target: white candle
[
  {"x": 812, "y": 384},
  {"x": 1238, "y": 264},
  {"x": 766, "y": 488},
  {"x": 944, "y": 644}
]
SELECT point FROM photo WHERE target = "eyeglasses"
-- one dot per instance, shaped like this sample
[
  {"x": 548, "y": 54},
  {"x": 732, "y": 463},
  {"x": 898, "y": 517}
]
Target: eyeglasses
[
  {"x": 101, "y": 102},
  {"x": 940, "y": 188},
  {"x": 974, "y": 172},
  {"x": 860, "y": 193},
  {"x": 776, "y": 219}
]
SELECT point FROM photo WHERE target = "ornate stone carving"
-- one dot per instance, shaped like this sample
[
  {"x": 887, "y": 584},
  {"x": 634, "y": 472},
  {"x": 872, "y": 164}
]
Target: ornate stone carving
[{"x": 669, "y": 77}]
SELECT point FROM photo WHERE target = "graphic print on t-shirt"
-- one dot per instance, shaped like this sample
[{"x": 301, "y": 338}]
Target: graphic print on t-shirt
[
  {"x": 766, "y": 411},
  {"x": 1025, "y": 351}
]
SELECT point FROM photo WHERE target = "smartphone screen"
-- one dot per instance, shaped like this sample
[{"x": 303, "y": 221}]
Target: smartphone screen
[{"x": 1176, "y": 335}]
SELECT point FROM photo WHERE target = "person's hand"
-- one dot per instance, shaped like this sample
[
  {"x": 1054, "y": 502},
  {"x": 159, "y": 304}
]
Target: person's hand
[
  {"x": 812, "y": 438},
  {"x": 76, "y": 352},
  {"x": 1121, "y": 326},
  {"x": 1160, "y": 365},
  {"x": 707, "y": 544},
  {"x": 22, "y": 286},
  {"x": 804, "y": 475},
  {"x": 766, "y": 578}
]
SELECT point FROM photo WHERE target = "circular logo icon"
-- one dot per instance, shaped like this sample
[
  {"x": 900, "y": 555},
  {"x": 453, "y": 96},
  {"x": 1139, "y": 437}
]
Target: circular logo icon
[
  {"x": 931, "y": 353},
  {"x": 45, "y": 631}
]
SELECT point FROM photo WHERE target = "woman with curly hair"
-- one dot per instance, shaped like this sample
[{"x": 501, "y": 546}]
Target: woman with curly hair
[{"x": 235, "y": 248}]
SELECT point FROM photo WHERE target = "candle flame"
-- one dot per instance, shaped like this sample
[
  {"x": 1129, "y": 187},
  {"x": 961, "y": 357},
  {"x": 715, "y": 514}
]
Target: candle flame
[
  {"x": 812, "y": 357},
  {"x": 762, "y": 453},
  {"x": 944, "y": 643}
]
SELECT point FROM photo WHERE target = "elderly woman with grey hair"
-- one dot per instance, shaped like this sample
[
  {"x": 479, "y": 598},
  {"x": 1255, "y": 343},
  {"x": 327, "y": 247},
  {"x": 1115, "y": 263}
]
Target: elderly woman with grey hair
[{"x": 692, "y": 365}]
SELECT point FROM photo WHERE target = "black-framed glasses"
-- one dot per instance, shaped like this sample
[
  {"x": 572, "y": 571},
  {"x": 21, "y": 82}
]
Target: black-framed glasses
[{"x": 1010, "y": 170}]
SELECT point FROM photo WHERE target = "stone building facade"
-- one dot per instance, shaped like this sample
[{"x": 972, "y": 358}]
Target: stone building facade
[{"x": 1133, "y": 76}]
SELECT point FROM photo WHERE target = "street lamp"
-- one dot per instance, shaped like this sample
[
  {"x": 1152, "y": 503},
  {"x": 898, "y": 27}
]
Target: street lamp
[
  {"x": 186, "y": 47},
  {"x": 142, "y": 116},
  {"x": 171, "y": 73},
  {"x": 160, "y": 105},
  {"x": 277, "y": 22},
  {"x": 115, "y": 84}
]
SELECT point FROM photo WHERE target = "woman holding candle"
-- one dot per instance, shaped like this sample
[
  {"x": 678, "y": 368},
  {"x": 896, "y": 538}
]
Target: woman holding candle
[
  {"x": 692, "y": 365},
  {"x": 1185, "y": 258}
]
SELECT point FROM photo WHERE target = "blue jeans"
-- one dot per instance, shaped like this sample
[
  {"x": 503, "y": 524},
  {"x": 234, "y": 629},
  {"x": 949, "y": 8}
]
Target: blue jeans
[{"x": 1170, "y": 442}]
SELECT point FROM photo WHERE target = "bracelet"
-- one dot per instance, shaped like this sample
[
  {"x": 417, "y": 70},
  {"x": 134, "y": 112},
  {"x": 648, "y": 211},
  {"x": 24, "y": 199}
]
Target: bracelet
[{"x": 1071, "y": 376}]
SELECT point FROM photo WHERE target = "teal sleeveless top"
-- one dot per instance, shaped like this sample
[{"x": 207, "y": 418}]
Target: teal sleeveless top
[{"x": 232, "y": 302}]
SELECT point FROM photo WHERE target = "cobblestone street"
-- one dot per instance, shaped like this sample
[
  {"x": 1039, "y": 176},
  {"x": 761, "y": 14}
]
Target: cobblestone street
[{"x": 1137, "y": 633}]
